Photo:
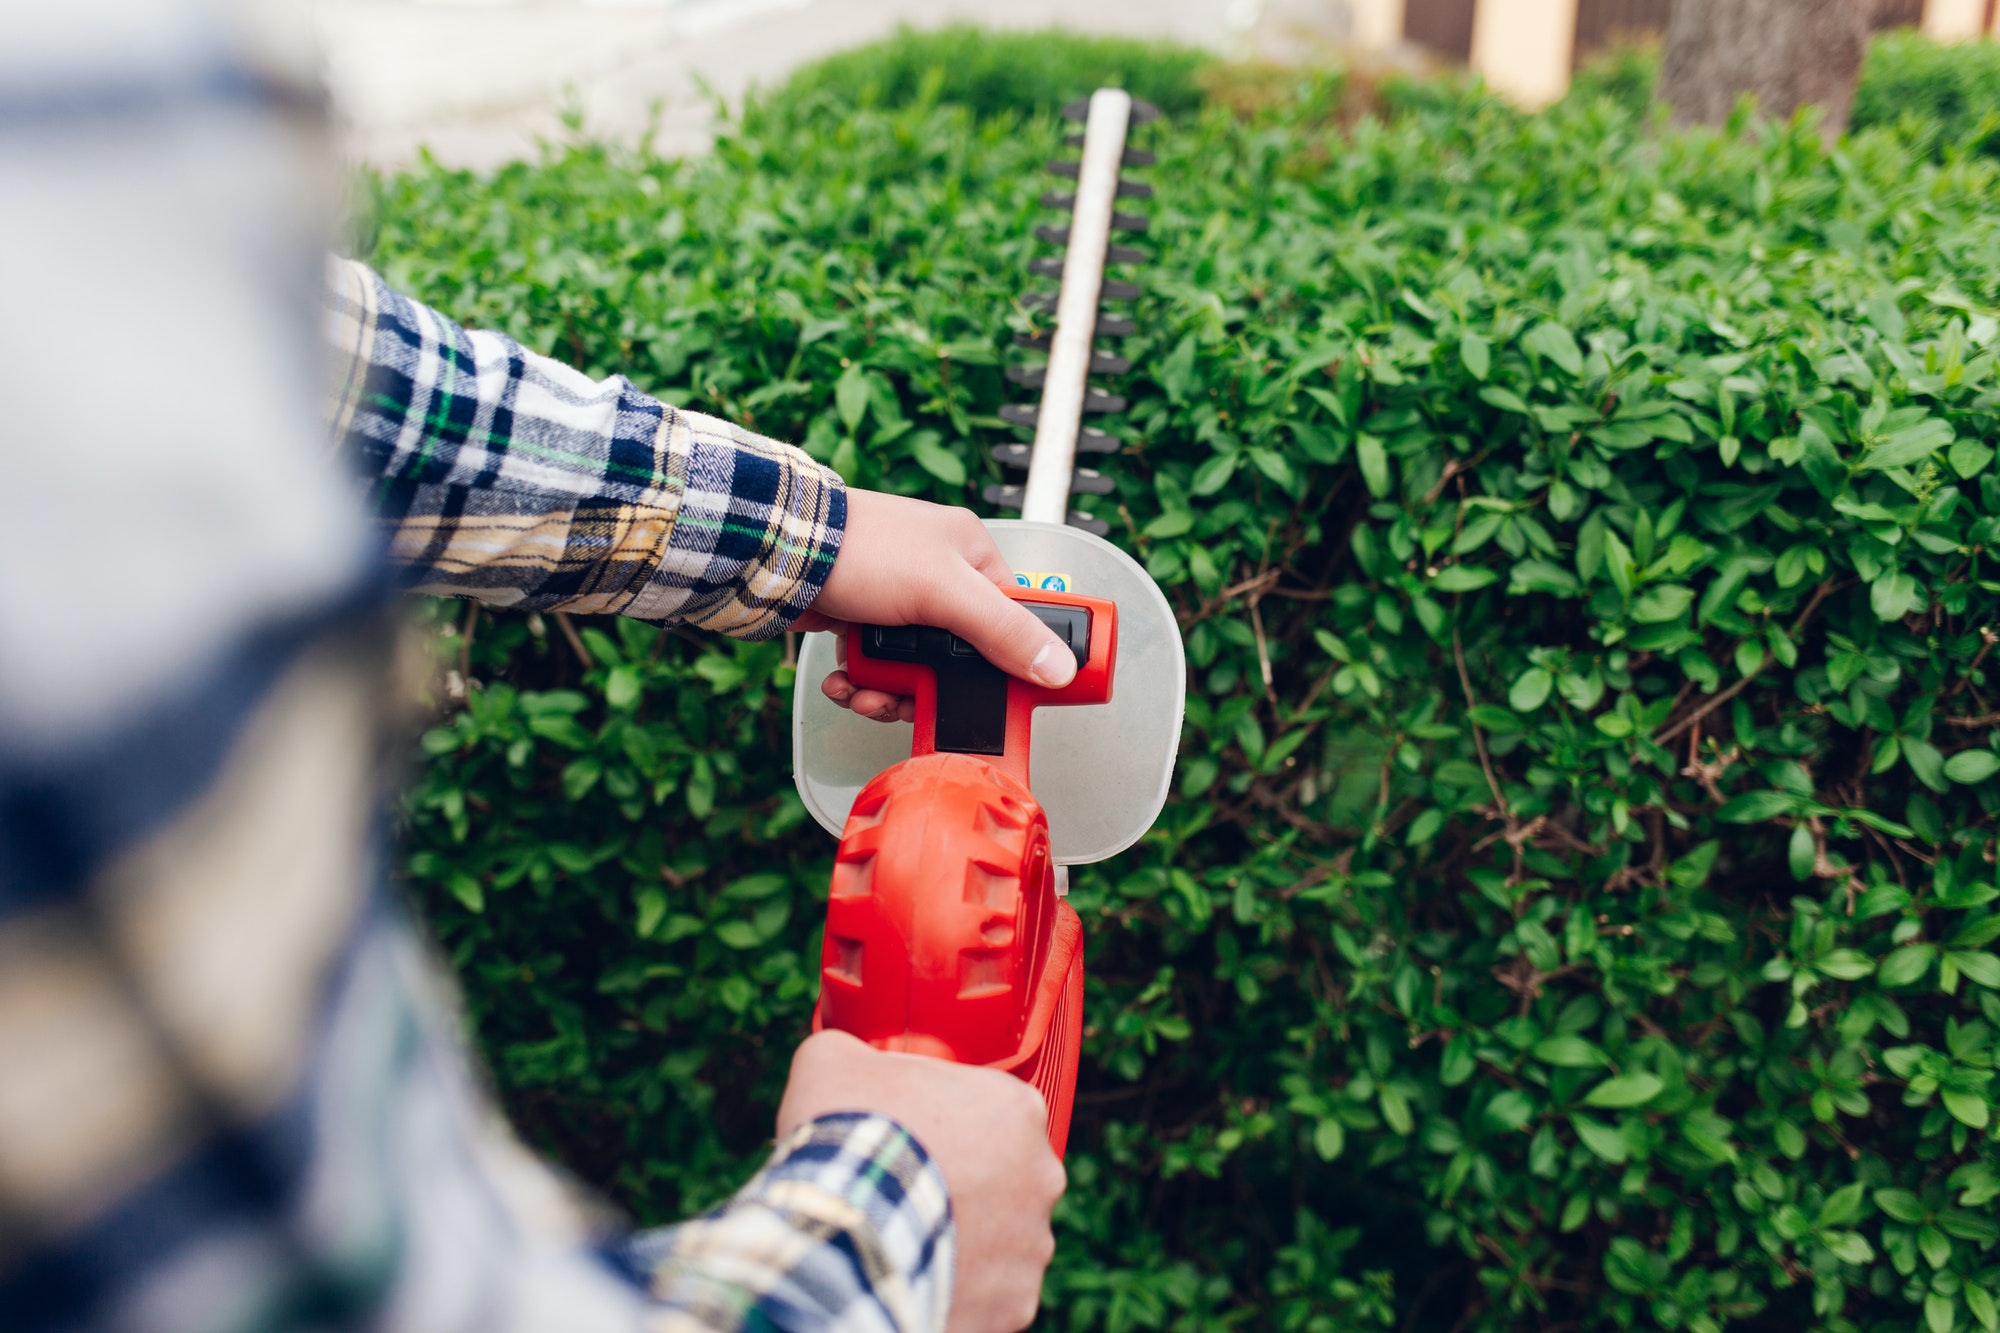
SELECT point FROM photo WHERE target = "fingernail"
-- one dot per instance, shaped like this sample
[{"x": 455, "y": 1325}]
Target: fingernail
[{"x": 1054, "y": 666}]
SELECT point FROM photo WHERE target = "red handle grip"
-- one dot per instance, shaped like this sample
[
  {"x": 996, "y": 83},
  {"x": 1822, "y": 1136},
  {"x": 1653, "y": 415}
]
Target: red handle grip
[{"x": 944, "y": 935}]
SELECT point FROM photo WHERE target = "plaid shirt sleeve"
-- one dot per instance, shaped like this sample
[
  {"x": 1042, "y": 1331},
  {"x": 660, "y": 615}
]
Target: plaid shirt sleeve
[
  {"x": 511, "y": 478},
  {"x": 233, "y": 1095}
]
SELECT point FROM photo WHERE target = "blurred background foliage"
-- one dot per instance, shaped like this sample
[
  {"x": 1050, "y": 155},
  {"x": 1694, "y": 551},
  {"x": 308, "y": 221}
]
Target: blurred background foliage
[{"x": 1575, "y": 907}]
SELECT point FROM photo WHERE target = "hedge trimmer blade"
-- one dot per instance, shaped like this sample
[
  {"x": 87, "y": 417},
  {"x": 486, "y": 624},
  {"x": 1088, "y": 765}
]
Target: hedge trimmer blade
[
  {"x": 946, "y": 931},
  {"x": 1057, "y": 419}
]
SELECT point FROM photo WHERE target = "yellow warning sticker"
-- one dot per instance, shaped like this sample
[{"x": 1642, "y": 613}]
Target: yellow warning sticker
[{"x": 1047, "y": 582}]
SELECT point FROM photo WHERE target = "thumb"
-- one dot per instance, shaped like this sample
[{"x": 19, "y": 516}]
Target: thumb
[{"x": 1005, "y": 632}]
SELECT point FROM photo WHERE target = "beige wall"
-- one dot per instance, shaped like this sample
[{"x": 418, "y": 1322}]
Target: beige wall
[
  {"x": 1523, "y": 47},
  {"x": 1375, "y": 25},
  {"x": 1953, "y": 20}
]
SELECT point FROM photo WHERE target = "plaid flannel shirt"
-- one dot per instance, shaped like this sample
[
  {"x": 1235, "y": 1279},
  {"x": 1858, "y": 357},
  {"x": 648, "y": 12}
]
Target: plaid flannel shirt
[{"x": 233, "y": 1094}]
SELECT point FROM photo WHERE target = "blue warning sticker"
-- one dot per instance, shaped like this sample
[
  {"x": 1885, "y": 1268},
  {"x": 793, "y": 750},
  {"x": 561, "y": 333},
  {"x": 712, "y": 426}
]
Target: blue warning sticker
[{"x": 1047, "y": 582}]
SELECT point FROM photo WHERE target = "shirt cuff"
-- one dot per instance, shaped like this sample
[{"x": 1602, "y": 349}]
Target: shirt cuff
[
  {"x": 755, "y": 534},
  {"x": 848, "y": 1228}
]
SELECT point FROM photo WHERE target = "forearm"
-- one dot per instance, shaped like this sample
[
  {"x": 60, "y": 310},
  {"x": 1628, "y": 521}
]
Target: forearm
[{"x": 502, "y": 475}]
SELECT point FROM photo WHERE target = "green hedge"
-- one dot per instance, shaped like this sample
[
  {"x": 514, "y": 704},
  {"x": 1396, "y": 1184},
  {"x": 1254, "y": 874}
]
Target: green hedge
[
  {"x": 1939, "y": 96},
  {"x": 1943, "y": 95},
  {"x": 1575, "y": 905},
  {"x": 999, "y": 73}
]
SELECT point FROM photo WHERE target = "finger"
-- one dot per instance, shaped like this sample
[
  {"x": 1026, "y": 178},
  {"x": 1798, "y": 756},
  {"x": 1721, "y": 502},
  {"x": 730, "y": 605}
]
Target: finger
[
  {"x": 838, "y": 688},
  {"x": 880, "y": 705},
  {"x": 1005, "y": 632}
]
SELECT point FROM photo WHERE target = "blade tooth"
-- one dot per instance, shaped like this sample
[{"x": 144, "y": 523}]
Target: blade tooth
[
  {"x": 1004, "y": 497},
  {"x": 1108, "y": 324},
  {"x": 1019, "y": 414},
  {"x": 1012, "y": 455},
  {"x": 1144, "y": 113},
  {"x": 1096, "y": 400},
  {"x": 1091, "y": 440},
  {"x": 1140, "y": 157},
  {"x": 1057, "y": 199},
  {"x": 1096, "y": 527},
  {"x": 1039, "y": 341},
  {"x": 1047, "y": 232},
  {"x": 1070, "y": 169},
  {"x": 1130, "y": 221},
  {"x": 1125, "y": 254},
  {"x": 1104, "y": 363},
  {"x": 1050, "y": 265},
  {"x": 1134, "y": 190},
  {"x": 1079, "y": 109},
  {"x": 1031, "y": 377},
  {"x": 1073, "y": 140},
  {"x": 1084, "y": 481}
]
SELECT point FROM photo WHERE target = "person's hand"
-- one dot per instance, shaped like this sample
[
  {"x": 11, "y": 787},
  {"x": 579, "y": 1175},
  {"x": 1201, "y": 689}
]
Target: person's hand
[
  {"x": 987, "y": 1132},
  {"x": 909, "y": 562}
]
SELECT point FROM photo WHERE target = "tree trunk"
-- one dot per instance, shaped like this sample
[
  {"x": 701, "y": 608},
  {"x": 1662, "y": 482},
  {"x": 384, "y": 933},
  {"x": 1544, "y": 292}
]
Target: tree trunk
[{"x": 1785, "y": 53}]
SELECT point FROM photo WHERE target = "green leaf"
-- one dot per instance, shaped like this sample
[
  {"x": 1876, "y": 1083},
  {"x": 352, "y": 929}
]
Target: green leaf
[
  {"x": 1567, "y": 1050},
  {"x": 1894, "y": 595},
  {"x": 1177, "y": 370},
  {"x": 1374, "y": 461},
  {"x": 1850, "y": 1247},
  {"x": 1618, "y": 562},
  {"x": 1273, "y": 465},
  {"x": 1899, "y": 1204},
  {"x": 1329, "y": 1139},
  {"x": 1556, "y": 343},
  {"x": 1843, "y": 1206},
  {"x": 1476, "y": 354},
  {"x": 652, "y": 909},
  {"x": 738, "y": 934},
  {"x": 850, "y": 395},
  {"x": 1757, "y": 806},
  {"x": 1463, "y": 578},
  {"x": 1658, "y": 604},
  {"x": 1800, "y": 852},
  {"x": 753, "y": 887},
  {"x": 1213, "y": 475},
  {"x": 1602, "y": 1139},
  {"x": 1910, "y": 445},
  {"x": 1926, "y": 762},
  {"x": 1844, "y": 964},
  {"x": 1971, "y": 766},
  {"x": 1396, "y": 1109},
  {"x": 1968, "y": 458},
  {"x": 1749, "y": 657},
  {"x": 1981, "y": 968},
  {"x": 1531, "y": 690},
  {"x": 1940, "y": 1312},
  {"x": 622, "y": 687},
  {"x": 468, "y": 891},
  {"x": 1980, "y": 1302},
  {"x": 1510, "y": 1109},
  {"x": 927, "y": 447},
  {"x": 1625, "y": 1090},
  {"x": 1906, "y": 964},
  {"x": 1590, "y": 546}
]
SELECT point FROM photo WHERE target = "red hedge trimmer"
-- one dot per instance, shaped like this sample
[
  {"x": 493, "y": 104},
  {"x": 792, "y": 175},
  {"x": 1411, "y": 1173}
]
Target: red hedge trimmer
[{"x": 946, "y": 933}]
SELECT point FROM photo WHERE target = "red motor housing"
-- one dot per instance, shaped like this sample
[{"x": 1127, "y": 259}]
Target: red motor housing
[{"x": 944, "y": 934}]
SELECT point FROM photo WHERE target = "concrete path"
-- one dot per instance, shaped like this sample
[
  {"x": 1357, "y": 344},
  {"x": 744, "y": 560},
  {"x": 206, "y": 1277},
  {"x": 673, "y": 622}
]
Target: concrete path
[{"x": 479, "y": 83}]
